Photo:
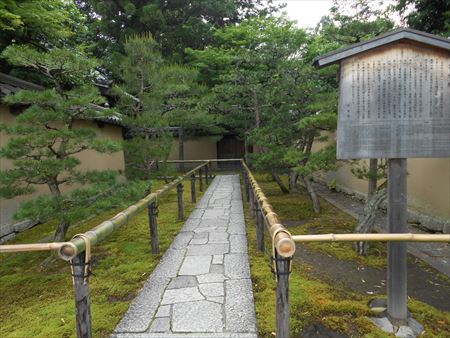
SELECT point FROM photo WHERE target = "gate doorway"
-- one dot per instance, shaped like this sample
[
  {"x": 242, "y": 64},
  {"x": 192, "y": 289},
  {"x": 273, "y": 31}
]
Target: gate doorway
[{"x": 229, "y": 147}]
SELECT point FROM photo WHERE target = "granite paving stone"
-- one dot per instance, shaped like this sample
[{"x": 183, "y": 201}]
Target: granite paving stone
[
  {"x": 201, "y": 235},
  {"x": 217, "y": 259},
  {"x": 238, "y": 244},
  {"x": 198, "y": 241},
  {"x": 181, "y": 295},
  {"x": 202, "y": 316},
  {"x": 212, "y": 289},
  {"x": 160, "y": 325},
  {"x": 211, "y": 278},
  {"x": 202, "y": 286},
  {"x": 217, "y": 268},
  {"x": 182, "y": 240},
  {"x": 208, "y": 249},
  {"x": 163, "y": 311},
  {"x": 216, "y": 223},
  {"x": 182, "y": 282},
  {"x": 236, "y": 266},
  {"x": 218, "y": 236},
  {"x": 195, "y": 265},
  {"x": 239, "y": 306}
]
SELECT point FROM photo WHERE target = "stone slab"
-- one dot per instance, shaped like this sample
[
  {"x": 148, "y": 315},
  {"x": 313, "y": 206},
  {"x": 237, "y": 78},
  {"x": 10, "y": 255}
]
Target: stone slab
[
  {"x": 199, "y": 241},
  {"x": 186, "y": 335},
  {"x": 170, "y": 263},
  {"x": 141, "y": 310},
  {"x": 212, "y": 289},
  {"x": 238, "y": 244},
  {"x": 160, "y": 325},
  {"x": 163, "y": 311},
  {"x": 218, "y": 237},
  {"x": 208, "y": 249},
  {"x": 182, "y": 240},
  {"x": 239, "y": 306},
  {"x": 201, "y": 316},
  {"x": 195, "y": 265},
  {"x": 237, "y": 266},
  {"x": 211, "y": 278},
  {"x": 182, "y": 282},
  {"x": 181, "y": 295},
  {"x": 217, "y": 259}
]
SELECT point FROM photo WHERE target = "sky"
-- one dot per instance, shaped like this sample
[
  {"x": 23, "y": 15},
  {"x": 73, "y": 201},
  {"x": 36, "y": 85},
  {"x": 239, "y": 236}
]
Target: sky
[{"x": 307, "y": 13}]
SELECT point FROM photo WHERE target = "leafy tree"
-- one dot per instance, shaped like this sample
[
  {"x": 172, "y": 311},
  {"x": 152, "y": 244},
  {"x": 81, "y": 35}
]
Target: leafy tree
[
  {"x": 176, "y": 25},
  {"x": 45, "y": 141},
  {"x": 41, "y": 23},
  {"x": 432, "y": 16},
  {"x": 265, "y": 91},
  {"x": 156, "y": 95}
]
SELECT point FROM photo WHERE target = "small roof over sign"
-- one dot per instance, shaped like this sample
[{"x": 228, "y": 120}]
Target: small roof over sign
[{"x": 381, "y": 40}]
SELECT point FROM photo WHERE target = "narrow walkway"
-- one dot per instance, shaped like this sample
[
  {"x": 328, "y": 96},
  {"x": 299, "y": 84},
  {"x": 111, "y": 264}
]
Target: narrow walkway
[
  {"x": 202, "y": 286},
  {"x": 436, "y": 255}
]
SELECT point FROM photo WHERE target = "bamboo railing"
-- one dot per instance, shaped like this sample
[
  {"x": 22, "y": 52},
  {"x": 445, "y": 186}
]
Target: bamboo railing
[
  {"x": 77, "y": 250},
  {"x": 283, "y": 244},
  {"x": 281, "y": 238},
  {"x": 401, "y": 237},
  {"x": 68, "y": 250}
]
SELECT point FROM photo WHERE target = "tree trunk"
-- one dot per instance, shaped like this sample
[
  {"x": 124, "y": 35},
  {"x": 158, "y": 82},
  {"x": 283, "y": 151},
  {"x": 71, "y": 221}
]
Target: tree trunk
[
  {"x": 372, "y": 176},
  {"x": 61, "y": 230},
  {"x": 367, "y": 220},
  {"x": 293, "y": 182},
  {"x": 312, "y": 193},
  {"x": 280, "y": 183}
]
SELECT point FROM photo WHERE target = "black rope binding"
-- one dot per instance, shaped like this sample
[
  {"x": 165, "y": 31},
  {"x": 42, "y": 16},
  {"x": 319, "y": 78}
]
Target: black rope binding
[
  {"x": 89, "y": 271},
  {"x": 274, "y": 259}
]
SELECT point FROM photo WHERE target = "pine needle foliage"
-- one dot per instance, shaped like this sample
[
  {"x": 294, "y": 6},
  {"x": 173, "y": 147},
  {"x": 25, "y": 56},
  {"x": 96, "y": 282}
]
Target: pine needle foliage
[{"x": 46, "y": 142}]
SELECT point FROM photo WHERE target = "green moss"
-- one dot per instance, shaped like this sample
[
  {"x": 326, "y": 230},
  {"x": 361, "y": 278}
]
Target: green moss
[
  {"x": 39, "y": 302},
  {"x": 314, "y": 300},
  {"x": 297, "y": 207}
]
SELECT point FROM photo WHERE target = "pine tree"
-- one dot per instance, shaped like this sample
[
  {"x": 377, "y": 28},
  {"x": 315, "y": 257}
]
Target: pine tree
[
  {"x": 156, "y": 95},
  {"x": 45, "y": 141}
]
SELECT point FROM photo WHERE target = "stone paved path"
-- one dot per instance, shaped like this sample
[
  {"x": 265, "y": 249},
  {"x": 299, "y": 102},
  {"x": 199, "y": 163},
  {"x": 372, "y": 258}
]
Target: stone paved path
[{"x": 202, "y": 286}]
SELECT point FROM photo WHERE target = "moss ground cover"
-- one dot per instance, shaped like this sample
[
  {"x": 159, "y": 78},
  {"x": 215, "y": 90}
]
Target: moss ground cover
[
  {"x": 39, "y": 302},
  {"x": 315, "y": 300}
]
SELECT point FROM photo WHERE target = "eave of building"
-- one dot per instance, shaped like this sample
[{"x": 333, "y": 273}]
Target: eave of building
[
  {"x": 381, "y": 40},
  {"x": 10, "y": 85}
]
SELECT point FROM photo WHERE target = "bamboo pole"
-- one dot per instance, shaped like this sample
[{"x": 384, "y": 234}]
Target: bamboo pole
[
  {"x": 200, "y": 161},
  {"x": 281, "y": 238},
  {"x": 69, "y": 250},
  {"x": 390, "y": 237},
  {"x": 31, "y": 247}
]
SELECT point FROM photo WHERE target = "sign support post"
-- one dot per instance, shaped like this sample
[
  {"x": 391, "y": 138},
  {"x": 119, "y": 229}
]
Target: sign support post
[{"x": 397, "y": 254}]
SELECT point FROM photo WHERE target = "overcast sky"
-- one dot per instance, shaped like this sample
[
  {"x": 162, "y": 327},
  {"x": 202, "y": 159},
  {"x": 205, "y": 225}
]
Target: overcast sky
[{"x": 307, "y": 13}]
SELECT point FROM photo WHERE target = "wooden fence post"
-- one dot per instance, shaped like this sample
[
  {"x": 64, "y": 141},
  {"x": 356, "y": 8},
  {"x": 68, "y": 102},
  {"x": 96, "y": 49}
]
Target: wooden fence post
[
  {"x": 397, "y": 255},
  {"x": 259, "y": 228},
  {"x": 283, "y": 266},
  {"x": 153, "y": 221},
  {"x": 193, "y": 197},
  {"x": 206, "y": 175},
  {"x": 251, "y": 209},
  {"x": 180, "y": 190},
  {"x": 210, "y": 171},
  {"x": 200, "y": 179},
  {"x": 82, "y": 296}
]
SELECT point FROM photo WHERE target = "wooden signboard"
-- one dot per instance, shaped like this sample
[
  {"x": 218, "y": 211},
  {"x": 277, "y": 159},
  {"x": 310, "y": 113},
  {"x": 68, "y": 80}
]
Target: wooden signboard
[{"x": 395, "y": 103}]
